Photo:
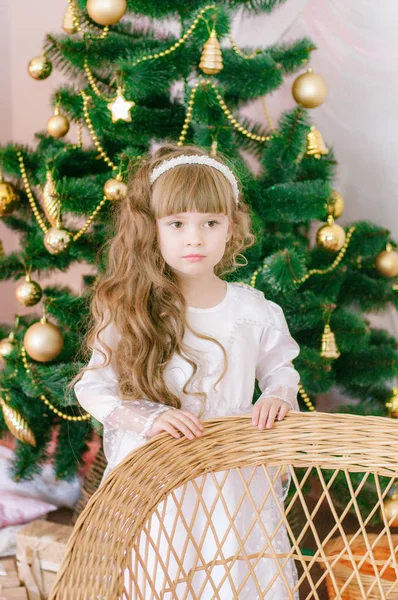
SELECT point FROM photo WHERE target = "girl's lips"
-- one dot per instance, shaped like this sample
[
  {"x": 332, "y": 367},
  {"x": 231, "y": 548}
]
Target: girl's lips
[{"x": 194, "y": 257}]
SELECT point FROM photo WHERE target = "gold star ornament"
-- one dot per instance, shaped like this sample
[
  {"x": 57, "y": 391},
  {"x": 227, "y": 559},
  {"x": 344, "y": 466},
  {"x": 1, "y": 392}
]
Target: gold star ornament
[{"x": 120, "y": 107}]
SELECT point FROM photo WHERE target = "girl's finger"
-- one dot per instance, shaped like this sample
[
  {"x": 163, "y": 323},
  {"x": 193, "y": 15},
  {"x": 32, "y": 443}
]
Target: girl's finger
[
  {"x": 263, "y": 416},
  {"x": 255, "y": 414},
  {"x": 193, "y": 418},
  {"x": 284, "y": 409},
  {"x": 272, "y": 414},
  {"x": 170, "y": 429},
  {"x": 184, "y": 427}
]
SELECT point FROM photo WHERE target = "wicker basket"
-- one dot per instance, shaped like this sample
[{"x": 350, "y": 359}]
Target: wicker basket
[{"x": 343, "y": 569}]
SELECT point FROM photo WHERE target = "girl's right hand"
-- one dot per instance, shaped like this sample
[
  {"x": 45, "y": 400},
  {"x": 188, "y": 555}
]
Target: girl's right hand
[{"x": 175, "y": 421}]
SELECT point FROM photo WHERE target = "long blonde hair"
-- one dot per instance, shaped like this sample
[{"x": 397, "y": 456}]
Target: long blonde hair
[{"x": 139, "y": 292}]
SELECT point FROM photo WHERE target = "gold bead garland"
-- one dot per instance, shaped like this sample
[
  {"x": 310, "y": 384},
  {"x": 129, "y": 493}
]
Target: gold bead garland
[
  {"x": 37, "y": 384},
  {"x": 36, "y": 212},
  {"x": 79, "y": 28},
  {"x": 305, "y": 398},
  {"x": 242, "y": 54},
  {"x": 93, "y": 135},
  {"x": 91, "y": 80}
]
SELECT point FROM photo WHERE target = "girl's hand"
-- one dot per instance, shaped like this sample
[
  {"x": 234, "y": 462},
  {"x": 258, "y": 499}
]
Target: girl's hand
[
  {"x": 177, "y": 420},
  {"x": 266, "y": 409}
]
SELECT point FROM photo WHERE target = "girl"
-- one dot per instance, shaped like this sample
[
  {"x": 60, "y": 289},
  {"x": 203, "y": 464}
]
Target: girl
[{"x": 173, "y": 343}]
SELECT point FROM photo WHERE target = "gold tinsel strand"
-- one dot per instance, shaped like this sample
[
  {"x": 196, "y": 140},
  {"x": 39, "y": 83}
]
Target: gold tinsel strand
[
  {"x": 17, "y": 424},
  {"x": 37, "y": 384}
]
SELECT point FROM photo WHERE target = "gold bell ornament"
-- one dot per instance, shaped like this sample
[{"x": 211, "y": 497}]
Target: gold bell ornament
[
  {"x": 68, "y": 23},
  {"x": 28, "y": 292},
  {"x": 51, "y": 200},
  {"x": 7, "y": 346},
  {"x": 211, "y": 59},
  {"x": 329, "y": 347},
  {"x": 391, "y": 506},
  {"x": 9, "y": 197},
  {"x": 392, "y": 404},
  {"x": 310, "y": 89},
  {"x": 106, "y": 12},
  {"x": 315, "y": 144},
  {"x": 40, "y": 67},
  {"x": 335, "y": 204},
  {"x": 43, "y": 340},
  {"x": 56, "y": 239},
  {"x": 330, "y": 237},
  {"x": 387, "y": 262},
  {"x": 58, "y": 125},
  {"x": 115, "y": 189}
]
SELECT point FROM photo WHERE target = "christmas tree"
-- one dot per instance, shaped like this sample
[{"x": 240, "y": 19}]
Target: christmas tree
[{"x": 130, "y": 87}]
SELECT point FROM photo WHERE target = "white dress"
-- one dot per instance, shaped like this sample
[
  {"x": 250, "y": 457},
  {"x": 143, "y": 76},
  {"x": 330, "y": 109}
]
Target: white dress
[{"x": 255, "y": 335}]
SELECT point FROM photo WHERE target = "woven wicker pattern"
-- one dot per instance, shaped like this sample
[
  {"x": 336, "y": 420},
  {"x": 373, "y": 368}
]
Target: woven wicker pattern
[{"x": 359, "y": 452}]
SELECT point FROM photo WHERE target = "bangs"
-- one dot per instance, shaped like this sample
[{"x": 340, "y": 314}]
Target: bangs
[{"x": 191, "y": 188}]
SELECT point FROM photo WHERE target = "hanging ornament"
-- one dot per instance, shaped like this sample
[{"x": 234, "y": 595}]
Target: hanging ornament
[
  {"x": 392, "y": 404},
  {"x": 28, "y": 292},
  {"x": 329, "y": 348},
  {"x": 2, "y": 253},
  {"x": 115, "y": 189},
  {"x": 391, "y": 506},
  {"x": 17, "y": 424},
  {"x": 51, "y": 200},
  {"x": 315, "y": 144},
  {"x": 7, "y": 346},
  {"x": 43, "y": 341},
  {"x": 211, "y": 59},
  {"x": 335, "y": 204},
  {"x": 58, "y": 125},
  {"x": 68, "y": 23},
  {"x": 120, "y": 107},
  {"x": 310, "y": 89},
  {"x": 330, "y": 237},
  {"x": 56, "y": 239},
  {"x": 106, "y": 12},
  {"x": 213, "y": 149},
  {"x": 9, "y": 197},
  {"x": 40, "y": 67},
  {"x": 387, "y": 262}
]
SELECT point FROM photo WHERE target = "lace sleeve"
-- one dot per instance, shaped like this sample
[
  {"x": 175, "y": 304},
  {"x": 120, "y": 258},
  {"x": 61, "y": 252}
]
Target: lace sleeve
[
  {"x": 97, "y": 393},
  {"x": 275, "y": 373}
]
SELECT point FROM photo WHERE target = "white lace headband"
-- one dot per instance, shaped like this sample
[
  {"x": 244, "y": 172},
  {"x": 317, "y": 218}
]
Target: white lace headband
[{"x": 196, "y": 159}]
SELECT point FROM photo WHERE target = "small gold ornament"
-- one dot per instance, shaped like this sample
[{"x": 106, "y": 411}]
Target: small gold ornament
[
  {"x": 387, "y": 262},
  {"x": 51, "y": 200},
  {"x": 211, "y": 60},
  {"x": 335, "y": 204},
  {"x": 17, "y": 424},
  {"x": 7, "y": 346},
  {"x": 68, "y": 23},
  {"x": 392, "y": 404},
  {"x": 57, "y": 239},
  {"x": 9, "y": 198},
  {"x": 28, "y": 292},
  {"x": 2, "y": 253},
  {"x": 114, "y": 189},
  {"x": 310, "y": 89},
  {"x": 106, "y": 12},
  {"x": 213, "y": 149},
  {"x": 40, "y": 67},
  {"x": 58, "y": 125},
  {"x": 43, "y": 341},
  {"x": 315, "y": 144},
  {"x": 391, "y": 506},
  {"x": 329, "y": 348},
  {"x": 330, "y": 237},
  {"x": 120, "y": 107}
]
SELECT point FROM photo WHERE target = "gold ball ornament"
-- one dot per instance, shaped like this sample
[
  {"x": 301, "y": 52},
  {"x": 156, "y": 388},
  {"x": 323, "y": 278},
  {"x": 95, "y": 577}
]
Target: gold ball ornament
[
  {"x": 40, "y": 67},
  {"x": 58, "y": 125},
  {"x": 7, "y": 346},
  {"x": 9, "y": 198},
  {"x": 56, "y": 239},
  {"x": 28, "y": 292},
  {"x": 115, "y": 190},
  {"x": 335, "y": 205},
  {"x": 106, "y": 12},
  {"x": 330, "y": 237},
  {"x": 43, "y": 341},
  {"x": 310, "y": 89},
  {"x": 387, "y": 262},
  {"x": 391, "y": 509}
]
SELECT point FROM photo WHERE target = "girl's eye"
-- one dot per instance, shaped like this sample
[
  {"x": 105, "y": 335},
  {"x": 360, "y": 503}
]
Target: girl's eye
[
  {"x": 212, "y": 222},
  {"x": 176, "y": 222}
]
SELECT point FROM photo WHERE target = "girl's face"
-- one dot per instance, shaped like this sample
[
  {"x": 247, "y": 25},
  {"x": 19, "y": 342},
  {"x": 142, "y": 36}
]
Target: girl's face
[{"x": 192, "y": 233}]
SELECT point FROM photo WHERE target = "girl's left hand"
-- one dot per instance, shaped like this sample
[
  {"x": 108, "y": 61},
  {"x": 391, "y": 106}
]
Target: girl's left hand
[{"x": 266, "y": 409}]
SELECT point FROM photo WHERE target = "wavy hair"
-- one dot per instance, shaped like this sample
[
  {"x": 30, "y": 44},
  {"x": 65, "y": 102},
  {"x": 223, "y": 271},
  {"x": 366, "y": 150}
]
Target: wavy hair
[{"x": 139, "y": 292}]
